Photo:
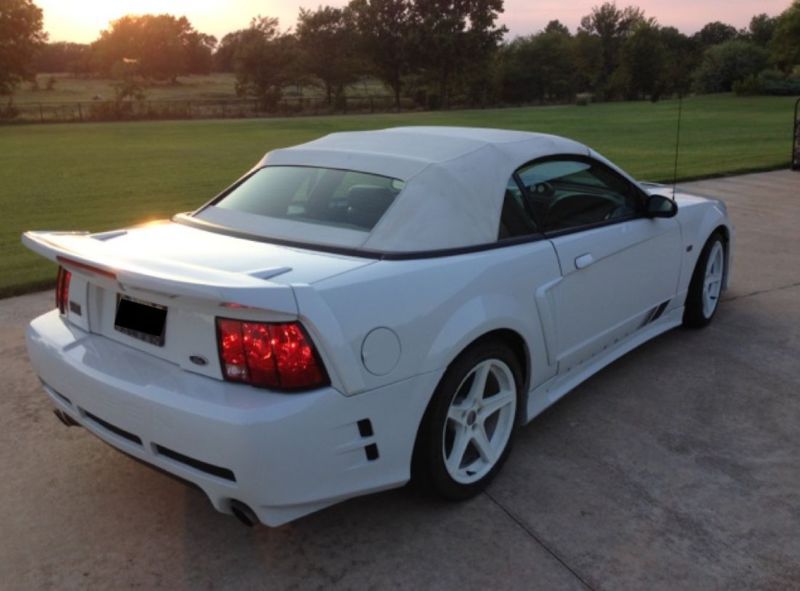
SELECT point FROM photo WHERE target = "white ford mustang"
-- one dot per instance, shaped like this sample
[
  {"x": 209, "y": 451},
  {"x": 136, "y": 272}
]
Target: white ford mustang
[{"x": 365, "y": 304}]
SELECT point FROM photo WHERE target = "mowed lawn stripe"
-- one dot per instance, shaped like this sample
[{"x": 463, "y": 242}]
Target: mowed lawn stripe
[{"x": 107, "y": 175}]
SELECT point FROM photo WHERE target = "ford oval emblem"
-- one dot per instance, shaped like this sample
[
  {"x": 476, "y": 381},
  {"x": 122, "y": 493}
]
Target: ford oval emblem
[{"x": 198, "y": 360}]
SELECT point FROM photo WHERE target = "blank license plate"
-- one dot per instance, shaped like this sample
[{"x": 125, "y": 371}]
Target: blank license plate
[{"x": 141, "y": 320}]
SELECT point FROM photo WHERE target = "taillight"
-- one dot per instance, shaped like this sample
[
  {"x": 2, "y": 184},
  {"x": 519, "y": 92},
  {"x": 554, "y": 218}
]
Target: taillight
[
  {"x": 268, "y": 355},
  {"x": 62, "y": 290}
]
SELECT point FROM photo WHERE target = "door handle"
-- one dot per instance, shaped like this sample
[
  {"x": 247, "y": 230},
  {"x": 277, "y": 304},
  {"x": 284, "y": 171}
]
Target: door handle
[{"x": 584, "y": 261}]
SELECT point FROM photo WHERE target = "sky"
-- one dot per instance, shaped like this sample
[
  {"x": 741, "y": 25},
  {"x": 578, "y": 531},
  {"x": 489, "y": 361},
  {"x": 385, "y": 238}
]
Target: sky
[{"x": 82, "y": 20}]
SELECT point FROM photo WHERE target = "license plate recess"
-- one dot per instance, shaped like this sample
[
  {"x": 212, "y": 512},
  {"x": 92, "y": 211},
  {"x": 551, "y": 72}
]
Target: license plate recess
[{"x": 141, "y": 320}]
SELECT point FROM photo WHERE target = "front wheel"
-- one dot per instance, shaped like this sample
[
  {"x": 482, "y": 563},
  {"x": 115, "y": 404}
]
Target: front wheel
[
  {"x": 705, "y": 288},
  {"x": 467, "y": 431}
]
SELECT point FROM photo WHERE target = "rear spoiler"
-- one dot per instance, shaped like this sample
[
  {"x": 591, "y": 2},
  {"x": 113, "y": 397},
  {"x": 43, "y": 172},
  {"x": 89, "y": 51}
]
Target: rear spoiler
[{"x": 90, "y": 255}]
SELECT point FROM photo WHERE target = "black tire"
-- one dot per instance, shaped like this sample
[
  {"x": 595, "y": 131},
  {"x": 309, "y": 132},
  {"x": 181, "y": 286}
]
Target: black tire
[
  {"x": 428, "y": 466},
  {"x": 694, "y": 315}
]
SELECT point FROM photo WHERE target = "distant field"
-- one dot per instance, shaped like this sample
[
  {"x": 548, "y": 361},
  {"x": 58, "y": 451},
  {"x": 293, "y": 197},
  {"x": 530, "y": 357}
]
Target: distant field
[
  {"x": 106, "y": 175},
  {"x": 213, "y": 86}
]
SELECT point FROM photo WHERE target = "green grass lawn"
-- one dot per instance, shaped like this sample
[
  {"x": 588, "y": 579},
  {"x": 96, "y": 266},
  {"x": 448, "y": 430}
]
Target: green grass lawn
[{"x": 107, "y": 175}]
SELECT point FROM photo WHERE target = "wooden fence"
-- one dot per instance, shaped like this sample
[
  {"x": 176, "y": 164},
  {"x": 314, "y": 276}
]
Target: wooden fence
[{"x": 54, "y": 112}]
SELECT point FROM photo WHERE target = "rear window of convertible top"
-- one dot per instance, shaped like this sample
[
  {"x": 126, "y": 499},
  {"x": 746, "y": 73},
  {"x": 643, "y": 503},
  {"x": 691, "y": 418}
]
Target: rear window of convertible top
[{"x": 332, "y": 197}]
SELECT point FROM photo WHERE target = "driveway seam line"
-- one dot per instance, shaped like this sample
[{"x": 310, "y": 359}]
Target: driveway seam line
[
  {"x": 533, "y": 535},
  {"x": 761, "y": 292}
]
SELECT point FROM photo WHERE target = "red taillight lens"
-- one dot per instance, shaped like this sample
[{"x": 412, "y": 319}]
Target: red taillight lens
[
  {"x": 62, "y": 289},
  {"x": 268, "y": 355},
  {"x": 294, "y": 356},
  {"x": 259, "y": 354},
  {"x": 231, "y": 350}
]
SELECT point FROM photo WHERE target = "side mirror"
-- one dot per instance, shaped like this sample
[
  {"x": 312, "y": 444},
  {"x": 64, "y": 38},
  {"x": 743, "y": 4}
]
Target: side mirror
[{"x": 659, "y": 206}]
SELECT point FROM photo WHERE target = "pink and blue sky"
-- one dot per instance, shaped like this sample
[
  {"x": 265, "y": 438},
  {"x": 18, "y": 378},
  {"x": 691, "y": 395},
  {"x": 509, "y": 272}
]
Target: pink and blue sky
[{"x": 82, "y": 20}]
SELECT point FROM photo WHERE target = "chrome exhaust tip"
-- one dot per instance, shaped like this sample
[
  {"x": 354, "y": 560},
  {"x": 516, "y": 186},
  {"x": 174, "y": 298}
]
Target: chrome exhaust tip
[
  {"x": 65, "y": 418},
  {"x": 243, "y": 513}
]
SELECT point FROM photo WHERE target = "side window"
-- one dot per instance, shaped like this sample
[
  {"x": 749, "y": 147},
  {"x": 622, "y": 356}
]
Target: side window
[
  {"x": 515, "y": 220},
  {"x": 570, "y": 193}
]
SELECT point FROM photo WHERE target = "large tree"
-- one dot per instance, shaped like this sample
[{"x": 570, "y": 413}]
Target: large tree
[
  {"x": 199, "y": 52},
  {"x": 451, "y": 35},
  {"x": 327, "y": 42},
  {"x": 681, "y": 60},
  {"x": 785, "y": 44},
  {"x": 613, "y": 26},
  {"x": 761, "y": 29},
  {"x": 587, "y": 55},
  {"x": 556, "y": 26},
  {"x": 164, "y": 46},
  {"x": 714, "y": 34},
  {"x": 540, "y": 67},
  {"x": 643, "y": 60},
  {"x": 20, "y": 36},
  {"x": 264, "y": 61},
  {"x": 226, "y": 50},
  {"x": 384, "y": 37}
]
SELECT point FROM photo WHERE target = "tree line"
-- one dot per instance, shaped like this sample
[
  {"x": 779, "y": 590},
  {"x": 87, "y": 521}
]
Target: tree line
[
  {"x": 622, "y": 54},
  {"x": 436, "y": 52}
]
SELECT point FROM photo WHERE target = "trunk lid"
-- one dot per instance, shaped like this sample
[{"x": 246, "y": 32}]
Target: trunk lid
[{"x": 190, "y": 275}]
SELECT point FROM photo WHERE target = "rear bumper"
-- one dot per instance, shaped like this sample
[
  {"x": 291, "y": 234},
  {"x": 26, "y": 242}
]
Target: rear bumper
[{"x": 284, "y": 455}]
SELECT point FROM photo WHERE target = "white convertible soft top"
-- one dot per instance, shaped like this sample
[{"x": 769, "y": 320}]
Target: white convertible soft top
[{"x": 455, "y": 184}]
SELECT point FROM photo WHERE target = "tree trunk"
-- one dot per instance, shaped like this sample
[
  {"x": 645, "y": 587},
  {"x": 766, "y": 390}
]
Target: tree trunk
[{"x": 444, "y": 100}]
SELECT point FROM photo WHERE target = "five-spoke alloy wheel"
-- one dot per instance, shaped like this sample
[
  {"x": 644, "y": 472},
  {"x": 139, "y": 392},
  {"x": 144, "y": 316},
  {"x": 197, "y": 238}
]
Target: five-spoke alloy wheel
[
  {"x": 467, "y": 431},
  {"x": 479, "y": 421},
  {"x": 712, "y": 282},
  {"x": 705, "y": 288}
]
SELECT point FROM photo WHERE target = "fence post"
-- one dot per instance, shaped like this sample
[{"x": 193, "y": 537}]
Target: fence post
[
  {"x": 80, "y": 112},
  {"x": 41, "y": 113},
  {"x": 796, "y": 137}
]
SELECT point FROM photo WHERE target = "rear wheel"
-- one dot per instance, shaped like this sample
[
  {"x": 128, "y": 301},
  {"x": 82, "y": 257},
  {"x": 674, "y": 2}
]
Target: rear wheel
[
  {"x": 705, "y": 288},
  {"x": 467, "y": 431}
]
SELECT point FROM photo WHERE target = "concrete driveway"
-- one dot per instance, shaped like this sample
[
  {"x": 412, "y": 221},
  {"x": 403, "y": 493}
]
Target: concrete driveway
[{"x": 676, "y": 467}]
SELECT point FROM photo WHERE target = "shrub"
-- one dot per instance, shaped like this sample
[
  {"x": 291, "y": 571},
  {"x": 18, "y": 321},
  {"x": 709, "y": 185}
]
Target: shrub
[
  {"x": 771, "y": 82},
  {"x": 9, "y": 112},
  {"x": 727, "y": 63},
  {"x": 748, "y": 87},
  {"x": 776, "y": 83}
]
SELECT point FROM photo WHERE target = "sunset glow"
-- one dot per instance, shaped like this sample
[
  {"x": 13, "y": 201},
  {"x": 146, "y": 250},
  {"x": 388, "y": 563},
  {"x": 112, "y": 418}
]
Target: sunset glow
[{"x": 82, "y": 20}]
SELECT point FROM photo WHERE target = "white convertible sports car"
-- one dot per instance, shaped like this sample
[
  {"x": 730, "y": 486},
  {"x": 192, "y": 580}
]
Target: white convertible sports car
[{"x": 368, "y": 305}]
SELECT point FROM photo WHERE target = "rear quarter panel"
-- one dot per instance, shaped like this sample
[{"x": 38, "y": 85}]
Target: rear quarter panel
[{"x": 436, "y": 307}]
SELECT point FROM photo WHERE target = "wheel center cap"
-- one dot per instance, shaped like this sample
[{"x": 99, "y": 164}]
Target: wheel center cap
[{"x": 471, "y": 417}]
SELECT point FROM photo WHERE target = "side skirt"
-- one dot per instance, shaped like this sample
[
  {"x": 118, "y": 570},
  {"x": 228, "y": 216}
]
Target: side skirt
[{"x": 540, "y": 398}]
